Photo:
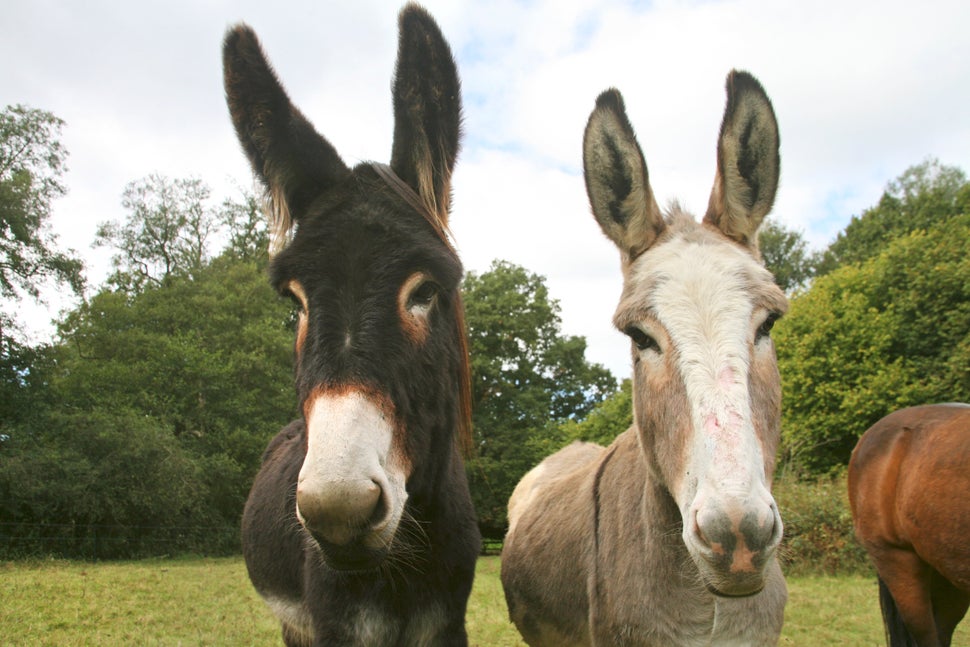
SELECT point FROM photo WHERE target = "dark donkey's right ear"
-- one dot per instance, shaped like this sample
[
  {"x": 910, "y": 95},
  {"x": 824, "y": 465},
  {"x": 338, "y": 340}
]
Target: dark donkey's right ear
[{"x": 293, "y": 161}]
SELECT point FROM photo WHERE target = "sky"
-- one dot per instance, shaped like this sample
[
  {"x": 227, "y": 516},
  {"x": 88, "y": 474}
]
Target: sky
[{"x": 861, "y": 89}]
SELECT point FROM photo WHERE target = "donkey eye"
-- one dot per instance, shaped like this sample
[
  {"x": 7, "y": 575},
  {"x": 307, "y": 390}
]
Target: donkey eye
[
  {"x": 642, "y": 340},
  {"x": 764, "y": 330},
  {"x": 423, "y": 295}
]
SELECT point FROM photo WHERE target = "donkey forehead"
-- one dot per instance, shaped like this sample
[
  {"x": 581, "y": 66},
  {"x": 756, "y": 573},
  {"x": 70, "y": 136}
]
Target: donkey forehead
[
  {"x": 368, "y": 241},
  {"x": 696, "y": 272}
]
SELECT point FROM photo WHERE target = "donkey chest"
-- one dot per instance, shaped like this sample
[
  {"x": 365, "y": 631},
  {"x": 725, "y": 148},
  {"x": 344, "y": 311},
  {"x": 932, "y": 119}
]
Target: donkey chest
[
  {"x": 365, "y": 626},
  {"x": 374, "y": 627}
]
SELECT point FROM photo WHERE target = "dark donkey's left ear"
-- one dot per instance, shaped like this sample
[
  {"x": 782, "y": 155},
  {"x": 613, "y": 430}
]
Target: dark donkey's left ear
[
  {"x": 427, "y": 110},
  {"x": 293, "y": 161}
]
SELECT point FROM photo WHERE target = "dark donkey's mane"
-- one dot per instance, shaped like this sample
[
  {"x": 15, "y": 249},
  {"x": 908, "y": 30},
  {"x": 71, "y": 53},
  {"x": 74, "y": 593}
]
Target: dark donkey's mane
[{"x": 359, "y": 528}]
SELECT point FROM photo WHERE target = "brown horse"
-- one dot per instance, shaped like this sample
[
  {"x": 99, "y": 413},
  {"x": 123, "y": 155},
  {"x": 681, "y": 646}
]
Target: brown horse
[
  {"x": 909, "y": 488},
  {"x": 359, "y": 529},
  {"x": 668, "y": 536}
]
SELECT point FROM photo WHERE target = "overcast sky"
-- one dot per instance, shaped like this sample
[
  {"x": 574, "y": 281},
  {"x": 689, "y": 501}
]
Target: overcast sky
[{"x": 862, "y": 90}]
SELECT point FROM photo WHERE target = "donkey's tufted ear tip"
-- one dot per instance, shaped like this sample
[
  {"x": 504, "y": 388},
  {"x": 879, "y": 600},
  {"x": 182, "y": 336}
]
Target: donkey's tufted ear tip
[
  {"x": 413, "y": 12},
  {"x": 611, "y": 99},
  {"x": 743, "y": 81},
  {"x": 238, "y": 38}
]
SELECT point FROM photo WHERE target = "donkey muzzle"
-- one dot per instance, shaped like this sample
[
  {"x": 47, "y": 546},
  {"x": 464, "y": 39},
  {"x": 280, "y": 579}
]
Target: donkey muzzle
[
  {"x": 733, "y": 544},
  {"x": 351, "y": 488}
]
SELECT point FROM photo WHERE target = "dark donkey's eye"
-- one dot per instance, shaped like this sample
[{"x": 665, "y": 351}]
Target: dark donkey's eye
[
  {"x": 642, "y": 340},
  {"x": 423, "y": 295},
  {"x": 764, "y": 330}
]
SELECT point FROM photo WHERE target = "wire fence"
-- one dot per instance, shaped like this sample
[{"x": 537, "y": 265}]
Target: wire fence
[{"x": 103, "y": 541}]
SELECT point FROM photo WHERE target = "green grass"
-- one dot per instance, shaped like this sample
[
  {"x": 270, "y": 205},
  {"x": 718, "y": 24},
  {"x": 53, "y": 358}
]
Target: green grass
[{"x": 210, "y": 602}]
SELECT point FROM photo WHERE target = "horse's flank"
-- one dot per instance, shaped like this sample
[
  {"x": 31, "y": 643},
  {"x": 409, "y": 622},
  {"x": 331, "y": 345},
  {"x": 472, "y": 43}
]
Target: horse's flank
[{"x": 909, "y": 476}]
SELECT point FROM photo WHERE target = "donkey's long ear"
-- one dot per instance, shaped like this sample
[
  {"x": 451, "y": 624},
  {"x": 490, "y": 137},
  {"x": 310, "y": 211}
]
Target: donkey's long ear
[
  {"x": 748, "y": 162},
  {"x": 427, "y": 110},
  {"x": 293, "y": 161},
  {"x": 616, "y": 178}
]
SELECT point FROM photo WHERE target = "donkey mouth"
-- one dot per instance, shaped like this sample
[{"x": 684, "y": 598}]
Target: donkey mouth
[
  {"x": 352, "y": 558},
  {"x": 732, "y": 594}
]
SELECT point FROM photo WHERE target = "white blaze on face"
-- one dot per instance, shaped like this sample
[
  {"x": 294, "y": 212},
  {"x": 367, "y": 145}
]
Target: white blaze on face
[
  {"x": 352, "y": 483},
  {"x": 701, "y": 296}
]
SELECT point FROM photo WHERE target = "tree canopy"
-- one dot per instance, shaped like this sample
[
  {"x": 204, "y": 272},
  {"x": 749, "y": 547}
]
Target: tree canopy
[
  {"x": 786, "y": 254},
  {"x": 921, "y": 197},
  {"x": 32, "y": 165},
  {"x": 527, "y": 377},
  {"x": 888, "y": 331}
]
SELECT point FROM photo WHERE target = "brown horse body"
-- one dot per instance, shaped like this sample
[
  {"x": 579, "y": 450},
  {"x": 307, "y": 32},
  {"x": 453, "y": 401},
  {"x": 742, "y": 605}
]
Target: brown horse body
[
  {"x": 668, "y": 536},
  {"x": 909, "y": 489},
  {"x": 359, "y": 528}
]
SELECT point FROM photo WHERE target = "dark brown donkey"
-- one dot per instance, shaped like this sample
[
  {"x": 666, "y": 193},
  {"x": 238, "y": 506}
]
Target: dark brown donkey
[{"x": 359, "y": 529}]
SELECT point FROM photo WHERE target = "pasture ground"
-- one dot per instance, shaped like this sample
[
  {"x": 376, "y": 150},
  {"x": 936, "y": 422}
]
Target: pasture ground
[{"x": 200, "y": 601}]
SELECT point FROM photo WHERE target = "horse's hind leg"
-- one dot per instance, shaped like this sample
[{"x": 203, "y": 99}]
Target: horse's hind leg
[
  {"x": 908, "y": 579},
  {"x": 949, "y": 606}
]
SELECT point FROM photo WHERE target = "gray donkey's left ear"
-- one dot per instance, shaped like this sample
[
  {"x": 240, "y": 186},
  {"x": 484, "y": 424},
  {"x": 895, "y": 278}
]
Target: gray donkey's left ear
[{"x": 748, "y": 162}]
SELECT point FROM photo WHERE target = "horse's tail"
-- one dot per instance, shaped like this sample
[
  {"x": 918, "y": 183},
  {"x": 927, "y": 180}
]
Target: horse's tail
[{"x": 897, "y": 635}]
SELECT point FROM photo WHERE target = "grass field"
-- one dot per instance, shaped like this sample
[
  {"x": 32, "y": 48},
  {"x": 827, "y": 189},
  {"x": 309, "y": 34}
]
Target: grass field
[{"x": 210, "y": 602}]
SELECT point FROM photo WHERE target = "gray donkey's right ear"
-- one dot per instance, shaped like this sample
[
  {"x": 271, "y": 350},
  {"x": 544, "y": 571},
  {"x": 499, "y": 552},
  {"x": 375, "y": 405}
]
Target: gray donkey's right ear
[{"x": 616, "y": 179}]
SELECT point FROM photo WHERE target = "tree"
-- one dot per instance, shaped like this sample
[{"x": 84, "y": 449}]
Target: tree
[
  {"x": 871, "y": 338},
  {"x": 32, "y": 162},
  {"x": 527, "y": 377},
  {"x": 203, "y": 364},
  {"x": 923, "y": 196},
  {"x": 602, "y": 425},
  {"x": 167, "y": 232},
  {"x": 248, "y": 231},
  {"x": 785, "y": 253}
]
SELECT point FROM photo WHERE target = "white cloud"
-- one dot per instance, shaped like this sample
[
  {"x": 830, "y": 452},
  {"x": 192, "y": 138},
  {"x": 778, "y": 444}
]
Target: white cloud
[{"x": 862, "y": 90}]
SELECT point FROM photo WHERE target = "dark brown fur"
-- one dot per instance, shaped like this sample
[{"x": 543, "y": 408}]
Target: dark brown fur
[{"x": 351, "y": 241}]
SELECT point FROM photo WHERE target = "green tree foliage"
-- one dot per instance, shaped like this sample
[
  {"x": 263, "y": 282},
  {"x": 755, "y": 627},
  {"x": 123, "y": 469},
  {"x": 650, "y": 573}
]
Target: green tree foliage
[
  {"x": 151, "y": 413},
  {"x": 209, "y": 358},
  {"x": 786, "y": 254},
  {"x": 167, "y": 232},
  {"x": 923, "y": 196},
  {"x": 871, "y": 338},
  {"x": 527, "y": 377},
  {"x": 248, "y": 231},
  {"x": 31, "y": 165},
  {"x": 602, "y": 425}
]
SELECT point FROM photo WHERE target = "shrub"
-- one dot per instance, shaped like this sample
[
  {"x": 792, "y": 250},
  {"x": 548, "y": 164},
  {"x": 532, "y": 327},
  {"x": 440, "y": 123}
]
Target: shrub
[{"x": 819, "y": 537}]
